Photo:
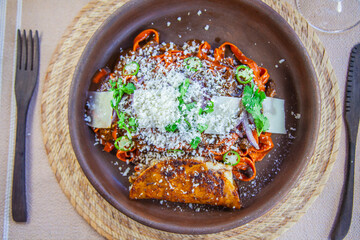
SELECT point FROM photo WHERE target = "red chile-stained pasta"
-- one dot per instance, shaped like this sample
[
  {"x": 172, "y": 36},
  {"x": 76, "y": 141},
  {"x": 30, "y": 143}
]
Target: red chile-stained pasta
[{"x": 186, "y": 102}]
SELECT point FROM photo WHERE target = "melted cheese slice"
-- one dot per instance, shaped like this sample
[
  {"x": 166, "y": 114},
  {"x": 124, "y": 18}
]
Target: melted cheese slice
[
  {"x": 99, "y": 109},
  {"x": 159, "y": 108},
  {"x": 274, "y": 110},
  {"x": 227, "y": 110}
]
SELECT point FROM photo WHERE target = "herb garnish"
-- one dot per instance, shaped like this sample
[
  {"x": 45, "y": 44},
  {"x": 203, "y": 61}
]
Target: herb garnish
[
  {"x": 182, "y": 89},
  {"x": 172, "y": 127},
  {"x": 202, "y": 127},
  {"x": 195, "y": 142},
  {"x": 183, "y": 107},
  {"x": 252, "y": 101},
  {"x": 208, "y": 109},
  {"x": 119, "y": 89}
]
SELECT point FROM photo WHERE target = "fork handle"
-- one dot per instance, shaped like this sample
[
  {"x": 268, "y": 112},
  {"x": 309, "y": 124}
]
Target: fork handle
[{"x": 19, "y": 210}]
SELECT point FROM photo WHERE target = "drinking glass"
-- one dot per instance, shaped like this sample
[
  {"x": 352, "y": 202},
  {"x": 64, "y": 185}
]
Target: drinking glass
[{"x": 330, "y": 16}]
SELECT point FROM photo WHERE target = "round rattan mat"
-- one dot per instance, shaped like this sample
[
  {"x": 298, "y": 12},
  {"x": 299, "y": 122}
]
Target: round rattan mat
[{"x": 111, "y": 223}]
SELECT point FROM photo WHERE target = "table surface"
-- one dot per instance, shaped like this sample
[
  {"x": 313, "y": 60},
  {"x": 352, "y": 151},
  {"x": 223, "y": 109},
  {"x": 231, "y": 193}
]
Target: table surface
[{"x": 51, "y": 216}]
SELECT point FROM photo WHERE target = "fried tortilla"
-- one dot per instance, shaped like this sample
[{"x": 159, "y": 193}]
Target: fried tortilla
[{"x": 187, "y": 181}]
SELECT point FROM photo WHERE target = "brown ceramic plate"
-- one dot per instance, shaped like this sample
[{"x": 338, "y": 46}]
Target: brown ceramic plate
[{"x": 262, "y": 35}]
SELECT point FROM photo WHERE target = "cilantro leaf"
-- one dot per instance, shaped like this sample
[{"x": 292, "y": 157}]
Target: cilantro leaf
[
  {"x": 112, "y": 84},
  {"x": 181, "y": 103},
  {"x": 119, "y": 90},
  {"x": 172, "y": 127},
  {"x": 202, "y": 127},
  {"x": 122, "y": 124},
  {"x": 182, "y": 107},
  {"x": 184, "y": 87},
  {"x": 195, "y": 142},
  {"x": 187, "y": 122},
  {"x": 128, "y": 124},
  {"x": 252, "y": 101},
  {"x": 261, "y": 123},
  {"x": 132, "y": 122},
  {"x": 190, "y": 106},
  {"x": 208, "y": 109},
  {"x": 128, "y": 88}
]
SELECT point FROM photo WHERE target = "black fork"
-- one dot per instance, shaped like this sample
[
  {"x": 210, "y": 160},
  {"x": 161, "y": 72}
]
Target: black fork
[{"x": 27, "y": 69}]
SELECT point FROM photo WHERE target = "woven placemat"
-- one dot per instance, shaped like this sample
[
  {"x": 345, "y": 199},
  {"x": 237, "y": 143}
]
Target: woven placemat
[{"x": 111, "y": 223}]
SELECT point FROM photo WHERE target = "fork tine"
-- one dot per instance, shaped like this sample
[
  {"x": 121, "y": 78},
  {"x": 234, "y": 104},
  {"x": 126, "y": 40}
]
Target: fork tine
[
  {"x": 30, "y": 49},
  {"x": 23, "y": 51},
  {"x": 36, "y": 52},
  {"x": 18, "y": 51}
]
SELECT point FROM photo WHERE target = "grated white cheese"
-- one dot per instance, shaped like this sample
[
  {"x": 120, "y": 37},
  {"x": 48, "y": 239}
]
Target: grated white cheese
[
  {"x": 125, "y": 173},
  {"x": 296, "y": 115},
  {"x": 156, "y": 108},
  {"x": 155, "y": 102}
]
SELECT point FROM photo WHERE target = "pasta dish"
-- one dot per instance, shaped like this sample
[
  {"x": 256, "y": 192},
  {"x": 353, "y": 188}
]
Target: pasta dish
[{"x": 189, "y": 118}]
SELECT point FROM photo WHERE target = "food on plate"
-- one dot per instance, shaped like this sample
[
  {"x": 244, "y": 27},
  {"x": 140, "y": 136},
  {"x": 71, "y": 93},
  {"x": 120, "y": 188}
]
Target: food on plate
[
  {"x": 188, "y": 118},
  {"x": 187, "y": 181}
]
